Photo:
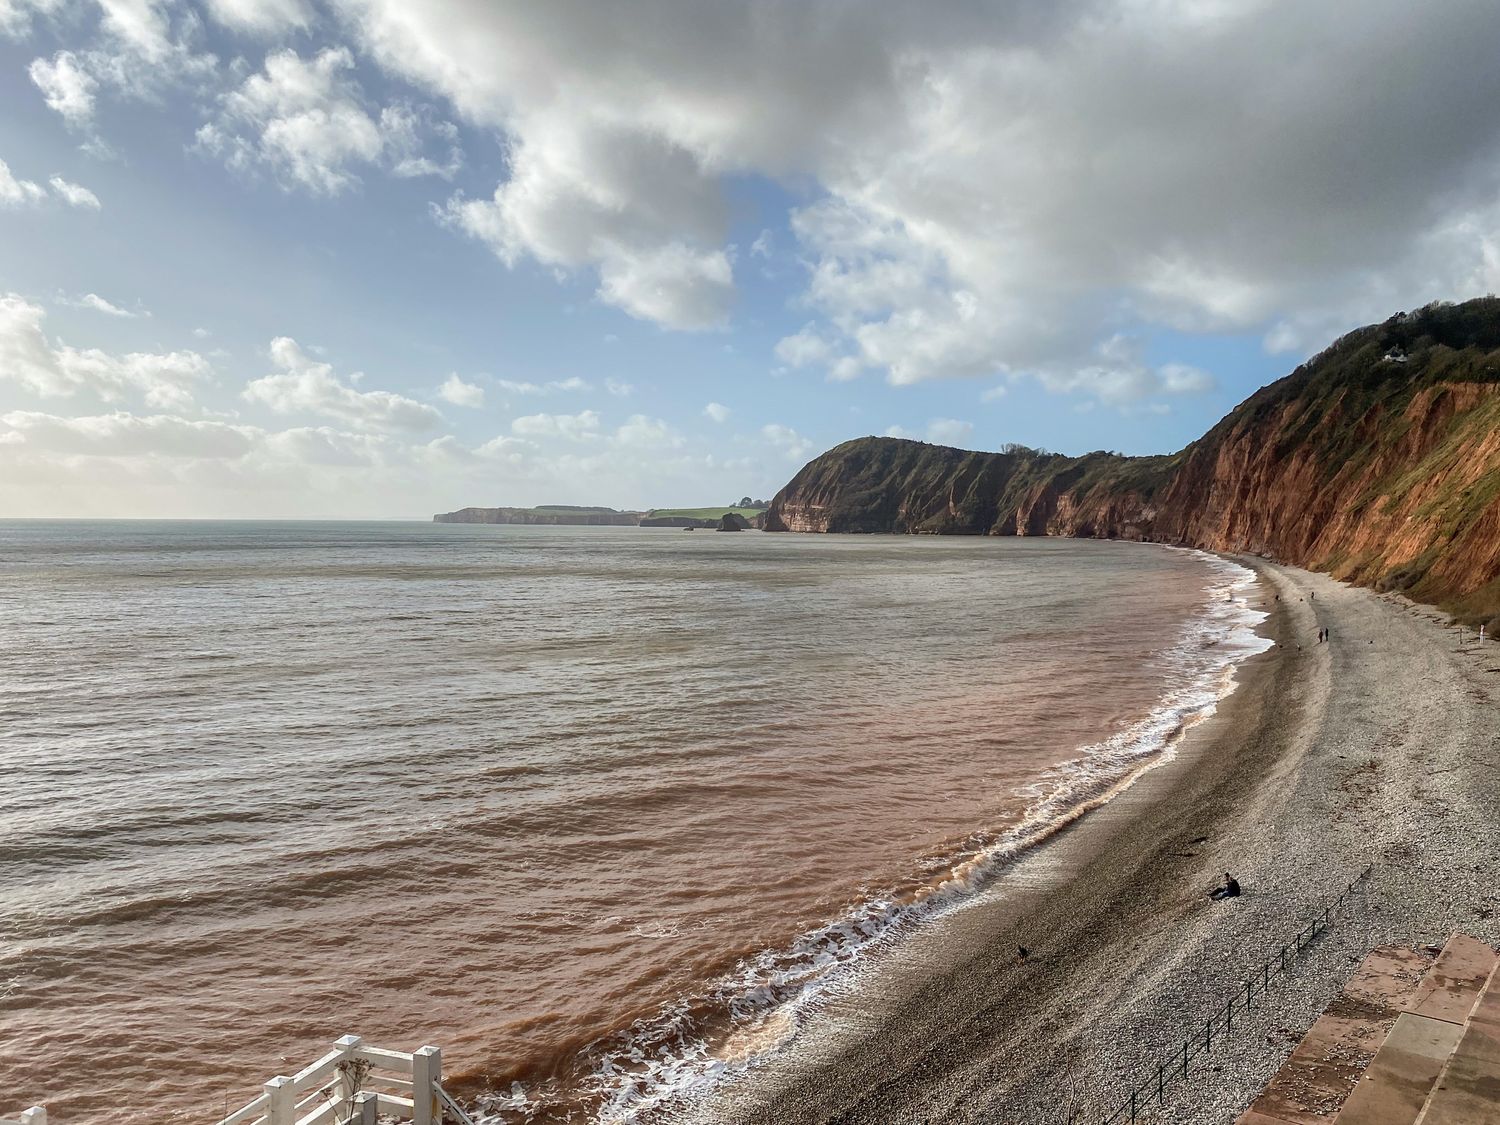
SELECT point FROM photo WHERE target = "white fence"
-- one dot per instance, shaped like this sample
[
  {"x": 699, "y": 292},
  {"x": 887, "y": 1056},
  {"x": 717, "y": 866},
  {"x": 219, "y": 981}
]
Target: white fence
[
  {"x": 36, "y": 1115},
  {"x": 350, "y": 1085}
]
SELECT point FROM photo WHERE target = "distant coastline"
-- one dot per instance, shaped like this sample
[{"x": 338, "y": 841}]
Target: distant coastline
[{"x": 749, "y": 511}]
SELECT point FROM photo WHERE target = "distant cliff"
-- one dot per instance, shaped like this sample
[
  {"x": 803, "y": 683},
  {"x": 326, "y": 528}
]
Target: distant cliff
[
  {"x": 1378, "y": 461},
  {"x": 551, "y": 514}
]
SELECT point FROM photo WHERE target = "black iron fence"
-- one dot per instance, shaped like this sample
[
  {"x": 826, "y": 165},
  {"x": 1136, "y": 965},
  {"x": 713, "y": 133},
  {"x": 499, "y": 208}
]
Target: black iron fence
[{"x": 1176, "y": 1066}]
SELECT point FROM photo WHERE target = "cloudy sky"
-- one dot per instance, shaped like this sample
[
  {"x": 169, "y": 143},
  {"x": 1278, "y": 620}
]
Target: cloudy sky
[{"x": 389, "y": 257}]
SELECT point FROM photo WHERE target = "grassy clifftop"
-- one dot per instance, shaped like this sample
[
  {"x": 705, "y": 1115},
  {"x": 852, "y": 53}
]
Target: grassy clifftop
[{"x": 1379, "y": 461}]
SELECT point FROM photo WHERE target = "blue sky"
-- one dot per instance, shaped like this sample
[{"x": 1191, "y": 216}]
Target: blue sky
[{"x": 378, "y": 258}]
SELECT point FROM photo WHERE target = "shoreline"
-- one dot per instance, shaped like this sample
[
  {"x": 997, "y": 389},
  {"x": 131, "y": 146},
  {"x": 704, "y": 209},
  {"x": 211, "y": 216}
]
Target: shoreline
[
  {"x": 1126, "y": 946},
  {"x": 818, "y": 962}
]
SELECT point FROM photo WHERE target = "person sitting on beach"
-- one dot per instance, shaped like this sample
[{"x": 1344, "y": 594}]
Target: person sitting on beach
[{"x": 1230, "y": 889}]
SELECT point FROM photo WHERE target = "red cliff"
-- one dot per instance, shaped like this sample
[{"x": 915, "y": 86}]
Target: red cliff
[{"x": 1378, "y": 461}]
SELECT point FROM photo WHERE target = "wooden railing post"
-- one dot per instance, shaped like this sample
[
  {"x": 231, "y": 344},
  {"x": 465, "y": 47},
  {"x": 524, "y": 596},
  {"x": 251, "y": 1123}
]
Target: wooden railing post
[
  {"x": 281, "y": 1101},
  {"x": 366, "y": 1108},
  {"x": 426, "y": 1073},
  {"x": 344, "y": 1089}
]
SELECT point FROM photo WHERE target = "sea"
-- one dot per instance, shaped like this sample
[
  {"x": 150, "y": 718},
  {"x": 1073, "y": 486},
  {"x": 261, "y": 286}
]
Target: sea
[{"x": 602, "y": 812}]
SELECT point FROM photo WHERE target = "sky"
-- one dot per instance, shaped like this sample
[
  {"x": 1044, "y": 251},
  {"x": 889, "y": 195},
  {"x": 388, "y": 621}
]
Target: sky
[{"x": 385, "y": 258}]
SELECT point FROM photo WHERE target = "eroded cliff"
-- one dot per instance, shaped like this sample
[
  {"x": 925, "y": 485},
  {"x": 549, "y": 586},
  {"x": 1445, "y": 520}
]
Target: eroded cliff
[{"x": 1377, "y": 461}]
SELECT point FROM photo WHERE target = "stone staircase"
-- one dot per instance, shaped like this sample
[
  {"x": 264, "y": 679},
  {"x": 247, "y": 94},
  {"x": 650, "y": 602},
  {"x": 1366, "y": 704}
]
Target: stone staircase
[{"x": 1433, "y": 1026}]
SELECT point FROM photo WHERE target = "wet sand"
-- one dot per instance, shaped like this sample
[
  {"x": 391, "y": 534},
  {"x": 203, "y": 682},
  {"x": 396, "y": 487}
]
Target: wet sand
[{"x": 1381, "y": 747}]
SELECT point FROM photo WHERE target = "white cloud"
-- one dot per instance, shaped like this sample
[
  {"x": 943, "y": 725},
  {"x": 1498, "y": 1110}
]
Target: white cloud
[
  {"x": 459, "y": 393},
  {"x": 995, "y": 393},
  {"x": 789, "y": 441},
  {"x": 15, "y": 15},
  {"x": 143, "y": 25},
  {"x": 18, "y": 193},
  {"x": 804, "y": 348},
  {"x": 306, "y": 386},
  {"x": 74, "y": 195},
  {"x": 600, "y": 192},
  {"x": 28, "y": 358},
  {"x": 717, "y": 411},
  {"x": 949, "y": 431},
  {"x": 997, "y": 190},
  {"x": 164, "y": 465},
  {"x": 99, "y": 304},
  {"x": 1117, "y": 375},
  {"x": 308, "y": 121},
  {"x": 573, "y": 383},
  {"x": 648, "y": 433},
  {"x": 940, "y": 431},
  {"x": 261, "y": 17},
  {"x": 619, "y": 388},
  {"x": 121, "y": 433},
  {"x": 66, "y": 85},
  {"x": 575, "y": 427}
]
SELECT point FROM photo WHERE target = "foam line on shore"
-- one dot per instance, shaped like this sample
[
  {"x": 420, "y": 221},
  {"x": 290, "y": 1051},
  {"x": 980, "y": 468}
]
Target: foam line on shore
[{"x": 685, "y": 1049}]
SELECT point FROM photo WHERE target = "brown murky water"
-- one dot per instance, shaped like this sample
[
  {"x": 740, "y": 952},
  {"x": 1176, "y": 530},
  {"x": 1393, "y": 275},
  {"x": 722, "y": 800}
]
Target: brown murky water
[{"x": 598, "y": 810}]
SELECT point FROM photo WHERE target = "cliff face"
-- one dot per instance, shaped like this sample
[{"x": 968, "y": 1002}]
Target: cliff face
[{"x": 1378, "y": 461}]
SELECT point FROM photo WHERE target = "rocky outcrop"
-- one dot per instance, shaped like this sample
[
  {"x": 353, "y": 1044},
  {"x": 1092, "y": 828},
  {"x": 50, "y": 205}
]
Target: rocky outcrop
[
  {"x": 1378, "y": 461},
  {"x": 548, "y": 516},
  {"x": 733, "y": 521}
]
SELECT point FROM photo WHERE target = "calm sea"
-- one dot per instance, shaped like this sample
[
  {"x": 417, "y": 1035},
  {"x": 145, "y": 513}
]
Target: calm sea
[{"x": 598, "y": 810}]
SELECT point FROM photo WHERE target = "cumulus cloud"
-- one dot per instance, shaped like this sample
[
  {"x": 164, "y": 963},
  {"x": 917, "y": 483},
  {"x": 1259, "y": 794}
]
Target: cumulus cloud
[
  {"x": 167, "y": 465},
  {"x": 619, "y": 388},
  {"x": 303, "y": 385},
  {"x": 17, "y": 192},
  {"x": 717, "y": 411},
  {"x": 99, "y": 304},
  {"x": 137, "y": 48},
  {"x": 261, "y": 17},
  {"x": 787, "y": 440},
  {"x": 941, "y": 431},
  {"x": 647, "y": 433},
  {"x": 993, "y": 191},
  {"x": 1116, "y": 374},
  {"x": 66, "y": 85},
  {"x": 459, "y": 393},
  {"x": 523, "y": 387},
  {"x": 74, "y": 195},
  {"x": 29, "y": 359},
  {"x": 949, "y": 431},
  {"x": 122, "y": 433},
  {"x": 15, "y": 15},
  {"x": 574, "y": 427},
  {"x": 309, "y": 122}
]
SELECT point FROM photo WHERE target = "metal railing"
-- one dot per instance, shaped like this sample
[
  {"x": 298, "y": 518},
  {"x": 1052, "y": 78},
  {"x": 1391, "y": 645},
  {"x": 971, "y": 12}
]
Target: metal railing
[{"x": 1176, "y": 1066}]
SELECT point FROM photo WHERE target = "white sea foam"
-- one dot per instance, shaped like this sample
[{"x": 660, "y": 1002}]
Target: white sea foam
[{"x": 677, "y": 1055}]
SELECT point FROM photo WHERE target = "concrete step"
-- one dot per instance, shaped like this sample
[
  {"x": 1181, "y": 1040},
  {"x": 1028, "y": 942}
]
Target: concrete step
[
  {"x": 1468, "y": 1090},
  {"x": 1403, "y": 1074},
  {"x": 1452, "y": 987},
  {"x": 1318, "y": 1077}
]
